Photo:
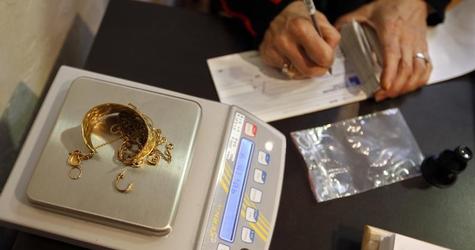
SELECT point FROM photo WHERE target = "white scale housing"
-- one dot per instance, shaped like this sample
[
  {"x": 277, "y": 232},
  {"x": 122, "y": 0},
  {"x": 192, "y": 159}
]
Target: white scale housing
[{"x": 222, "y": 193}]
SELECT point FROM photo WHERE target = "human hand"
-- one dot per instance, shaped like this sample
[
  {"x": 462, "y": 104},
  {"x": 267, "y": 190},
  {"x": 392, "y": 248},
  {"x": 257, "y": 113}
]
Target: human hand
[
  {"x": 401, "y": 27},
  {"x": 291, "y": 40}
]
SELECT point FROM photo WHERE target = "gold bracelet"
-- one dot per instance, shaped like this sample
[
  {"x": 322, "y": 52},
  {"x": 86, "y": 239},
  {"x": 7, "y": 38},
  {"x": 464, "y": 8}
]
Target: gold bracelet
[{"x": 140, "y": 139}]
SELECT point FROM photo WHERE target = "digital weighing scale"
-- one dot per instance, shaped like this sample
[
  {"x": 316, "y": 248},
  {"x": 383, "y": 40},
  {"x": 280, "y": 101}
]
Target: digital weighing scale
[{"x": 220, "y": 191}]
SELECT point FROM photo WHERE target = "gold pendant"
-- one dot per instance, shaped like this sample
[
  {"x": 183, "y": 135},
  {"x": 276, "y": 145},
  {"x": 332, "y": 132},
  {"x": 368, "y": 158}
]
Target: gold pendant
[{"x": 74, "y": 158}]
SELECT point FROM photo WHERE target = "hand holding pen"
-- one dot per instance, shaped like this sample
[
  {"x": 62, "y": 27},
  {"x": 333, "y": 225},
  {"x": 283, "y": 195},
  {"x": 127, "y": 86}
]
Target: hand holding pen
[
  {"x": 313, "y": 11},
  {"x": 299, "y": 44}
]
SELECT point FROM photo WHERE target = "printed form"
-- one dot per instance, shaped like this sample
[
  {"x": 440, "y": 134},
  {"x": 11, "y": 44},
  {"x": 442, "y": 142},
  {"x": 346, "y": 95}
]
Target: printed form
[{"x": 243, "y": 80}]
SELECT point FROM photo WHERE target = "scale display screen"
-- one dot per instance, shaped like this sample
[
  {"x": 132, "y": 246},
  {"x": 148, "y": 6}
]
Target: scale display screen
[{"x": 236, "y": 190}]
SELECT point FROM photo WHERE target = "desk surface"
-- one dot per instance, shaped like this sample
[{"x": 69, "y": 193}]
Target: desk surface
[{"x": 168, "y": 48}]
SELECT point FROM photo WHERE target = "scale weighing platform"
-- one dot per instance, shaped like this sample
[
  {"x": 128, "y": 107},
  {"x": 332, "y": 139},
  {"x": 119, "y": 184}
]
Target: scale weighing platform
[{"x": 221, "y": 190}]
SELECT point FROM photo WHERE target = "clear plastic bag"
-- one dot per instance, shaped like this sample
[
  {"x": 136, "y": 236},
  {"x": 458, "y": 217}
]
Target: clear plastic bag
[{"x": 358, "y": 154}]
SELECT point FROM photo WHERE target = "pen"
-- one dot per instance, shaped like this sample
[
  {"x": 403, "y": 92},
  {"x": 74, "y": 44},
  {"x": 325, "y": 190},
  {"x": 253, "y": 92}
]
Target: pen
[{"x": 312, "y": 10}]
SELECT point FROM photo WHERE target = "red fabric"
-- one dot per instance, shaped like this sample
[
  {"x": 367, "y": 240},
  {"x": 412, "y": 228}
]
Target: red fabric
[
  {"x": 244, "y": 18},
  {"x": 276, "y": 2}
]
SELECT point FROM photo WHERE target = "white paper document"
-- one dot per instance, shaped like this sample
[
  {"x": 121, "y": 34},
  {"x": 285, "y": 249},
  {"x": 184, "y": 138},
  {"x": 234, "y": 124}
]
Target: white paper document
[
  {"x": 243, "y": 80},
  {"x": 452, "y": 44}
]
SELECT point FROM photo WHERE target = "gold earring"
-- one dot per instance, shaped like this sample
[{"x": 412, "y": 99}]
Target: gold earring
[{"x": 118, "y": 178}]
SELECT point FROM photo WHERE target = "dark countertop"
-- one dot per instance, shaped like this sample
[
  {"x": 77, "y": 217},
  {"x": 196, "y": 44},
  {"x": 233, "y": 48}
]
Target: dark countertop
[{"x": 168, "y": 47}]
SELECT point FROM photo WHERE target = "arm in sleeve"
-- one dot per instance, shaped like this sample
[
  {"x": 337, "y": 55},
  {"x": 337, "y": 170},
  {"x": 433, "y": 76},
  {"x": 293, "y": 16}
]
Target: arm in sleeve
[
  {"x": 436, "y": 11},
  {"x": 256, "y": 15}
]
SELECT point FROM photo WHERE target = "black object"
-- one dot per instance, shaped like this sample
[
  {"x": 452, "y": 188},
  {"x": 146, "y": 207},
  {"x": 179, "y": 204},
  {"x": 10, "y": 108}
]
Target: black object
[{"x": 442, "y": 171}]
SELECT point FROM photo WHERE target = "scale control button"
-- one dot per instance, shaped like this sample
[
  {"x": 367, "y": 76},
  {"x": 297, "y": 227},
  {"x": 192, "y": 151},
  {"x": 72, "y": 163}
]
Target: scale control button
[
  {"x": 269, "y": 145},
  {"x": 222, "y": 247},
  {"x": 252, "y": 214},
  {"x": 256, "y": 195},
  {"x": 263, "y": 158},
  {"x": 247, "y": 235},
  {"x": 250, "y": 129},
  {"x": 260, "y": 176}
]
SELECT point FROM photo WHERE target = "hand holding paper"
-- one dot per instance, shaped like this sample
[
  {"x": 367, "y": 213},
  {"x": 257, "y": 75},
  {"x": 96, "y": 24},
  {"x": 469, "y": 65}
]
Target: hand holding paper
[{"x": 401, "y": 28}]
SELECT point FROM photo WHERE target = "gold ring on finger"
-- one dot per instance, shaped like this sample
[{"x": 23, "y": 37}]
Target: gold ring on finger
[{"x": 288, "y": 70}]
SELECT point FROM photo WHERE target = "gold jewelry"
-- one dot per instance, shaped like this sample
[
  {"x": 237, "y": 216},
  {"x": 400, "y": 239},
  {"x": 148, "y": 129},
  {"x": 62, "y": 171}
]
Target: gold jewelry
[
  {"x": 141, "y": 141},
  {"x": 75, "y": 157},
  {"x": 97, "y": 114},
  {"x": 77, "y": 175},
  {"x": 118, "y": 178},
  {"x": 288, "y": 70}
]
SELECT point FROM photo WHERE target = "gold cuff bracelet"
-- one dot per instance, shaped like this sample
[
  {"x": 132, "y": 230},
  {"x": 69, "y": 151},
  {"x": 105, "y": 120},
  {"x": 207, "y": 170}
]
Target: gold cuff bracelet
[{"x": 140, "y": 139}]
